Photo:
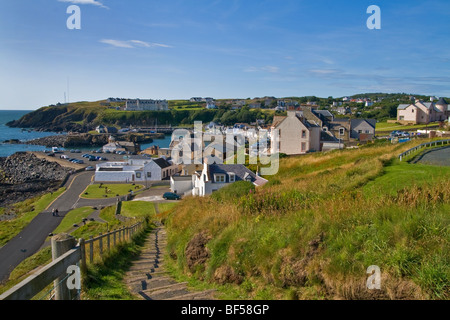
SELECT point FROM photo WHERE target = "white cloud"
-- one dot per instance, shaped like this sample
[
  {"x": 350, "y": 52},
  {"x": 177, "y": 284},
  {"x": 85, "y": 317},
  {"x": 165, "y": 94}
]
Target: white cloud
[
  {"x": 93, "y": 2},
  {"x": 132, "y": 43},
  {"x": 270, "y": 69}
]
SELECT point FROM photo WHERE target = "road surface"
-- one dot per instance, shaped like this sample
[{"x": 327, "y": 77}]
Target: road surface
[{"x": 31, "y": 238}]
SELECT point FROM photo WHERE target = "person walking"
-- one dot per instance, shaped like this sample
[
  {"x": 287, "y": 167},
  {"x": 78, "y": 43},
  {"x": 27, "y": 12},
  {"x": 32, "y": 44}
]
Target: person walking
[
  {"x": 56, "y": 212},
  {"x": 53, "y": 212}
]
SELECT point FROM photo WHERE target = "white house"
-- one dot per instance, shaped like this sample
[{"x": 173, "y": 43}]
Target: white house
[
  {"x": 181, "y": 185},
  {"x": 216, "y": 176},
  {"x": 135, "y": 170}
]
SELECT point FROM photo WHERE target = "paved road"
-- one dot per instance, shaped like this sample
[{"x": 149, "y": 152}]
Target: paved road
[
  {"x": 31, "y": 238},
  {"x": 439, "y": 157}
]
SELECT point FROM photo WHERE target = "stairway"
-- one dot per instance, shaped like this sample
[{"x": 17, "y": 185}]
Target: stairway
[{"x": 148, "y": 280}]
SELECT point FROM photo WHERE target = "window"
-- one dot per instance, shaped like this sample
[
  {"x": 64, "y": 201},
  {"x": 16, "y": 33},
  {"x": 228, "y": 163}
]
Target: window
[
  {"x": 359, "y": 131},
  {"x": 402, "y": 117},
  {"x": 303, "y": 146},
  {"x": 341, "y": 131},
  {"x": 303, "y": 134},
  {"x": 412, "y": 111},
  {"x": 367, "y": 131},
  {"x": 138, "y": 175},
  {"x": 232, "y": 177},
  {"x": 149, "y": 174},
  {"x": 220, "y": 178}
]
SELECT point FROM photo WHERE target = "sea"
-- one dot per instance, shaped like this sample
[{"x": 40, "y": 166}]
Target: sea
[{"x": 7, "y": 133}]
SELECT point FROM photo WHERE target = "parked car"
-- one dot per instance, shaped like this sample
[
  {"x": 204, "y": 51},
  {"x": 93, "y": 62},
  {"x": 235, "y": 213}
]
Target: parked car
[
  {"x": 64, "y": 156},
  {"x": 90, "y": 168},
  {"x": 171, "y": 196},
  {"x": 92, "y": 158}
]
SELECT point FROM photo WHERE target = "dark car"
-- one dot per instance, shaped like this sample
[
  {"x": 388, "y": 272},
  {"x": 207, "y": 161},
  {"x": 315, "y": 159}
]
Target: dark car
[
  {"x": 92, "y": 159},
  {"x": 171, "y": 196}
]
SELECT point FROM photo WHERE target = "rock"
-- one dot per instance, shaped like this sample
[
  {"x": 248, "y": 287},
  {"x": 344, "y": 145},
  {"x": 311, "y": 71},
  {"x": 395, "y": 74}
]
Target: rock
[
  {"x": 196, "y": 252},
  {"x": 24, "y": 176}
]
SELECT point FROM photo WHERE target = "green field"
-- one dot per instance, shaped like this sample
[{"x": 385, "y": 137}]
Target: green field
[
  {"x": 99, "y": 191},
  {"x": 73, "y": 217},
  {"x": 136, "y": 209},
  {"x": 384, "y": 126}
]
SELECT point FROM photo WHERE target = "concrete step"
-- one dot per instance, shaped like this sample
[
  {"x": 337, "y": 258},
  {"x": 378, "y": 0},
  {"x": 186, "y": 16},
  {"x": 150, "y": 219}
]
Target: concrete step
[{"x": 172, "y": 291}]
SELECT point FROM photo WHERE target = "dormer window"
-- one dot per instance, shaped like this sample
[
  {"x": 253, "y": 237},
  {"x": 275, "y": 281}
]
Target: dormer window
[
  {"x": 219, "y": 178},
  {"x": 232, "y": 177}
]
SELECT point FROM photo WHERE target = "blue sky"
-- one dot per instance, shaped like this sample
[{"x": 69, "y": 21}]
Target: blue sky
[{"x": 169, "y": 49}]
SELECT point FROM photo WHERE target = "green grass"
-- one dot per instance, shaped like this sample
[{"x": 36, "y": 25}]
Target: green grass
[
  {"x": 100, "y": 191},
  {"x": 403, "y": 175},
  {"x": 25, "y": 211},
  {"x": 165, "y": 207},
  {"x": 136, "y": 209},
  {"x": 360, "y": 207},
  {"x": 39, "y": 259},
  {"x": 384, "y": 126},
  {"x": 73, "y": 217}
]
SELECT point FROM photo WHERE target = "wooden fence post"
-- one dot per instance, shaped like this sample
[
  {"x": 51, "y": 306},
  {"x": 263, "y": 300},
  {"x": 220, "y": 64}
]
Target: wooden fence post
[
  {"x": 108, "y": 241},
  {"x": 91, "y": 250},
  {"x": 61, "y": 244},
  {"x": 83, "y": 255},
  {"x": 100, "y": 239},
  {"x": 114, "y": 237}
]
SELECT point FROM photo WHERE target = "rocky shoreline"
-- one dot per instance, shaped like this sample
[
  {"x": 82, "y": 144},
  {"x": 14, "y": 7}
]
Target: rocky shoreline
[
  {"x": 86, "y": 140},
  {"x": 23, "y": 176}
]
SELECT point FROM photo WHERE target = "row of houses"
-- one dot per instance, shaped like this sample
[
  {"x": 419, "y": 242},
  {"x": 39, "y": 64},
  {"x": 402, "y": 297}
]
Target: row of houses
[
  {"x": 306, "y": 129},
  {"x": 197, "y": 180},
  {"x": 212, "y": 177}
]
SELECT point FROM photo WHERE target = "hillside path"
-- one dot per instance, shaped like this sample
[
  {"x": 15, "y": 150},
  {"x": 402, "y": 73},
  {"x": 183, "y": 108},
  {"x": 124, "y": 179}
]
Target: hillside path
[{"x": 148, "y": 279}]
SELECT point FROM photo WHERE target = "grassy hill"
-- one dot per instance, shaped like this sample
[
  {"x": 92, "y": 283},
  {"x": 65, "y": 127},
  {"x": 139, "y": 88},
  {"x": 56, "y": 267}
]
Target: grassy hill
[{"x": 315, "y": 228}]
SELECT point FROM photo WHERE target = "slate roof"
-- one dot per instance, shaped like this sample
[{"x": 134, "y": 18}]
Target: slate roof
[
  {"x": 240, "y": 171},
  {"x": 442, "y": 102},
  {"x": 357, "y": 122},
  {"x": 162, "y": 163},
  {"x": 403, "y": 106},
  {"x": 324, "y": 113}
]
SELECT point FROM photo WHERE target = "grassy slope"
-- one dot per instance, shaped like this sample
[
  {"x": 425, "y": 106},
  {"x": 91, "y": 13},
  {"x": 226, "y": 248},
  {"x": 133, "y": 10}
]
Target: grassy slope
[{"x": 321, "y": 222}]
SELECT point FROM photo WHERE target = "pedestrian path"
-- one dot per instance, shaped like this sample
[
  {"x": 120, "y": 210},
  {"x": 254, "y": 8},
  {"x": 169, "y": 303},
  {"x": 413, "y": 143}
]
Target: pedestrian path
[{"x": 148, "y": 279}]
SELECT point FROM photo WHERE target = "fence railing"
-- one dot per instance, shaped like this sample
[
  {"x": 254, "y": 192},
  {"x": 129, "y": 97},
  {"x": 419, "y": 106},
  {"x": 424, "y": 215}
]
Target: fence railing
[
  {"x": 423, "y": 145},
  {"x": 96, "y": 247}
]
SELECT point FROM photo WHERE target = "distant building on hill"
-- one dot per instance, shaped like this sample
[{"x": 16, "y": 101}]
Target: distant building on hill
[{"x": 146, "y": 105}]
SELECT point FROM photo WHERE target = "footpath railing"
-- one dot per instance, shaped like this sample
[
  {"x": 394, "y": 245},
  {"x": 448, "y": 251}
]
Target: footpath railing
[
  {"x": 423, "y": 145},
  {"x": 68, "y": 255}
]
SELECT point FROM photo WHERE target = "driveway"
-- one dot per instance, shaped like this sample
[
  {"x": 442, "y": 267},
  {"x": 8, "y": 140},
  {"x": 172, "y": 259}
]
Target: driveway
[{"x": 154, "y": 194}]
